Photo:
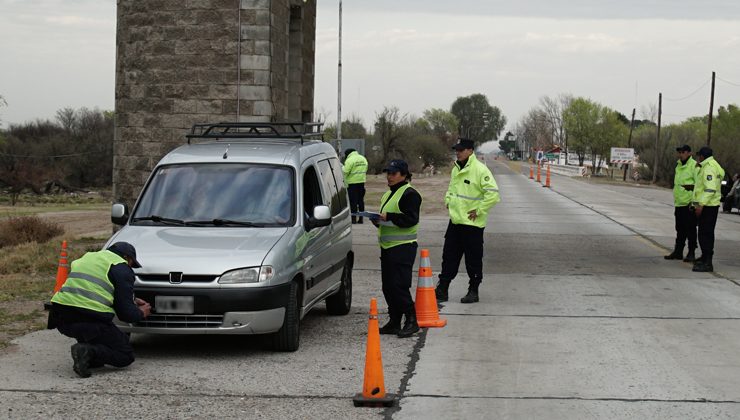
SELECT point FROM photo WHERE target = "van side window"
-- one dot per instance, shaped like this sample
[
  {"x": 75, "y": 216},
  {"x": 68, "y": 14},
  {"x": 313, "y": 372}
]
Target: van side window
[
  {"x": 311, "y": 191},
  {"x": 328, "y": 179},
  {"x": 336, "y": 169}
]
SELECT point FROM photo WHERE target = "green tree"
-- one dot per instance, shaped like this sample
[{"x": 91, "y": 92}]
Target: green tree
[
  {"x": 352, "y": 128},
  {"x": 442, "y": 124},
  {"x": 507, "y": 144},
  {"x": 478, "y": 119},
  {"x": 581, "y": 118},
  {"x": 390, "y": 128}
]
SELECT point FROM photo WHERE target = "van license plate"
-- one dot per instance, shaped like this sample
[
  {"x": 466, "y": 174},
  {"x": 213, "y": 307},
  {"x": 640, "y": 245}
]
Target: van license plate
[{"x": 174, "y": 304}]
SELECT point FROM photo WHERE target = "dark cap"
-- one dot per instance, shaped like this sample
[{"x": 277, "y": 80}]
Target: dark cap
[
  {"x": 348, "y": 151},
  {"x": 464, "y": 144},
  {"x": 397, "y": 165},
  {"x": 684, "y": 148},
  {"x": 705, "y": 151},
  {"x": 125, "y": 249}
]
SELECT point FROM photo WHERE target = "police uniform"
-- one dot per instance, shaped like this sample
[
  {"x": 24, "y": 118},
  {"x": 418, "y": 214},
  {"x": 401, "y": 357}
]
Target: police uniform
[
  {"x": 397, "y": 239},
  {"x": 472, "y": 187},
  {"x": 685, "y": 219},
  {"x": 707, "y": 197},
  {"x": 98, "y": 287},
  {"x": 355, "y": 174}
]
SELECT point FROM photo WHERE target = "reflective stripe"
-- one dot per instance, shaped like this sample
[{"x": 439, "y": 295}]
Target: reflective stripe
[
  {"x": 357, "y": 173},
  {"x": 468, "y": 197},
  {"x": 426, "y": 282},
  {"x": 388, "y": 238},
  {"x": 710, "y": 191},
  {"x": 90, "y": 295},
  {"x": 100, "y": 282},
  {"x": 491, "y": 189},
  {"x": 425, "y": 262}
]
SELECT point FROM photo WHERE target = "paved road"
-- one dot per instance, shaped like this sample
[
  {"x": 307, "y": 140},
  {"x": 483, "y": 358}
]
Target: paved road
[{"x": 580, "y": 318}]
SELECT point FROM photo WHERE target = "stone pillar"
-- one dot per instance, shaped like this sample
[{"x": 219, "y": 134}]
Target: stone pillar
[{"x": 181, "y": 62}]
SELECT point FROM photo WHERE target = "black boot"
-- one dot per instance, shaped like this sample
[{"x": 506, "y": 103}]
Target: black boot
[
  {"x": 410, "y": 327},
  {"x": 690, "y": 257},
  {"x": 354, "y": 219},
  {"x": 359, "y": 221},
  {"x": 82, "y": 355},
  {"x": 472, "y": 295},
  {"x": 393, "y": 326},
  {"x": 703, "y": 267},
  {"x": 677, "y": 254},
  {"x": 441, "y": 291}
]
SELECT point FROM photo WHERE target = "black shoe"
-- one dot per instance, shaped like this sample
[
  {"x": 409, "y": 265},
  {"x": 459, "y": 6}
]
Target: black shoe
[
  {"x": 359, "y": 221},
  {"x": 471, "y": 297},
  {"x": 675, "y": 255},
  {"x": 703, "y": 268},
  {"x": 690, "y": 256},
  {"x": 441, "y": 292},
  {"x": 82, "y": 355},
  {"x": 392, "y": 327},
  {"x": 699, "y": 260},
  {"x": 410, "y": 327}
]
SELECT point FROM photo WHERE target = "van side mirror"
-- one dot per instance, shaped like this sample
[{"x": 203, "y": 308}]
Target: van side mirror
[
  {"x": 119, "y": 214},
  {"x": 321, "y": 217}
]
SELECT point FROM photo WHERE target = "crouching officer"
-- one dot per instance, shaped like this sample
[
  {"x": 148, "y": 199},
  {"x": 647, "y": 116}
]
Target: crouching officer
[
  {"x": 706, "y": 202},
  {"x": 397, "y": 227},
  {"x": 99, "y": 286}
]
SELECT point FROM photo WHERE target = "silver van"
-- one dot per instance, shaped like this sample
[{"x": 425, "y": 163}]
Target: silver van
[{"x": 243, "y": 230}]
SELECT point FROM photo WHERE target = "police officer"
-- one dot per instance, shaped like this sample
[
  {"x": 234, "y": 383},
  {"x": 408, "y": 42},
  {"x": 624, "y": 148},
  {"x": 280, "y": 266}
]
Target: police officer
[
  {"x": 99, "y": 286},
  {"x": 683, "y": 192},
  {"x": 355, "y": 173},
  {"x": 706, "y": 203},
  {"x": 471, "y": 194},
  {"x": 397, "y": 227}
]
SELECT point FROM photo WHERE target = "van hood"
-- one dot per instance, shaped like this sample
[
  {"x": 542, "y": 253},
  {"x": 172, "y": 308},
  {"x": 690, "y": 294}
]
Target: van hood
[{"x": 161, "y": 250}]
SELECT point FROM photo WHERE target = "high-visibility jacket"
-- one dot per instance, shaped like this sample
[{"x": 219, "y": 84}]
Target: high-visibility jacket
[
  {"x": 707, "y": 191},
  {"x": 355, "y": 169},
  {"x": 87, "y": 284},
  {"x": 392, "y": 235},
  {"x": 471, "y": 188},
  {"x": 685, "y": 175}
]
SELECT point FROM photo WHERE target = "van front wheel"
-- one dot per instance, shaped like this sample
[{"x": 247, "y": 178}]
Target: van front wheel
[
  {"x": 288, "y": 337},
  {"x": 340, "y": 302}
]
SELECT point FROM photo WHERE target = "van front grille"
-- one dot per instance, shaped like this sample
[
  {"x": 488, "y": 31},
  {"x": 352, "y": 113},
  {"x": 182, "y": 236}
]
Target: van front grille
[
  {"x": 181, "y": 321},
  {"x": 186, "y": 278}
]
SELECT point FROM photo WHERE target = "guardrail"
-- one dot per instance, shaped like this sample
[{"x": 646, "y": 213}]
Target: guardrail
[{"x": 568, "y": 170}]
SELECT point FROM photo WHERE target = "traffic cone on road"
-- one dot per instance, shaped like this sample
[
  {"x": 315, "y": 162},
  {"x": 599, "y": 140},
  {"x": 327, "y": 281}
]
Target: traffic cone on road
[
  {"x": 373, "y": 388},
  {"x": 63, "y": 268},
  {"x": 539, "y": 179},
  {"x": 531, "y": 172},
  {"x": 547, "y": 178},
  {"x": 427, "y": 314}
]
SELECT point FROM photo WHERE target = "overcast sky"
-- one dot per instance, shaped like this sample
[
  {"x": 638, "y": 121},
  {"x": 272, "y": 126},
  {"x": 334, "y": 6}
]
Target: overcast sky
[{"x": 420, "y": 54}]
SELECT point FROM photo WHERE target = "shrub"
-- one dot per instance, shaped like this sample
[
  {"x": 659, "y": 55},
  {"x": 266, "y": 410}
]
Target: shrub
[{"x": 25, "y": 229}]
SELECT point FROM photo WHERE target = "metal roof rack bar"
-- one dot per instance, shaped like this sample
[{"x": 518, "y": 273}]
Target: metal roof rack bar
[{"x": 246, "y": 130}]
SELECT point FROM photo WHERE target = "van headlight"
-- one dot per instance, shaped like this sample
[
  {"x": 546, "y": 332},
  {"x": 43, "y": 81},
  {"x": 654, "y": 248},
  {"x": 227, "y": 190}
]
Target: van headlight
[{"x": 247, "y": 275}]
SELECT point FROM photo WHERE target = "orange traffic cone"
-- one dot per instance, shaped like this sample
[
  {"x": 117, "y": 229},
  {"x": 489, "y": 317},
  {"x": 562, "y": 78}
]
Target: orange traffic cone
[
  {"x": 63, "y": 269},
  {"x": 531, "y": 173},
  {"x": 547, "y": 178},
  {"x": 539, "y": 179},
  {"x": 373, "y": 388},
  {"x": 427, "y": 314}
]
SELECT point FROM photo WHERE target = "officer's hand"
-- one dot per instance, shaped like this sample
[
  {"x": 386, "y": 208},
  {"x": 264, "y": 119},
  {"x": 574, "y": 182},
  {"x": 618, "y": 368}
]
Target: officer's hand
[
  {"x": 139, "y": 302},
  {"x": 146, "y": 309},
  {"x": 472, "y": 214},
  {"x": 383, "y": 216},
  {"x": 697, "y": 210}
]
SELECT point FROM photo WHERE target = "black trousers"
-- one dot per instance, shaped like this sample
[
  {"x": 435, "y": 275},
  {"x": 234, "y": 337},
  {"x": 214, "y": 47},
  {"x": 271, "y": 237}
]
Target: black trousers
[
  {"x": 396, "y": 265},
  {"x": 706, "y": 222},
  {"x": 111, "y": 345},
  {"x": 685, "y": 227},
  {"x": 356, "y": 198},
  {"x": 462, "y": 240}
]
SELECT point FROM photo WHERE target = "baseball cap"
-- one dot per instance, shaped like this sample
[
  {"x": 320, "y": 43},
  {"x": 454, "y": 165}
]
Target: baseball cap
[
  {"x": 463, "y": 143},
  {"x": 397, "y": 165},
  {"x": 705, "y": 151},
  {"x": 125, "y": 249},
  {"x": 684, "y": 148}
]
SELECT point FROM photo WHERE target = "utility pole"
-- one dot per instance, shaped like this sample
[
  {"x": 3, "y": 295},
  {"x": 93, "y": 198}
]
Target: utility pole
[
  {"x": 711, "y": 111},
  {"x": 339, "y": 85},
  {"x": 657, "y": 138},
  {"x": 629, "y": 143}
]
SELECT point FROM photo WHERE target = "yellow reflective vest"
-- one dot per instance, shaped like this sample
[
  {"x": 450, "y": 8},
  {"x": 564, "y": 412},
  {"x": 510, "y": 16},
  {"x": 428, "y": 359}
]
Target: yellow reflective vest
[
  {"x": 87, "y": 284},
  {"x": 707, "y": 191},
  {"x": 392, "y": 235},
  {"x": 685, "y": 175},
  {"x": 355, "y": 169},
  {"x": 471, "y": 188}
]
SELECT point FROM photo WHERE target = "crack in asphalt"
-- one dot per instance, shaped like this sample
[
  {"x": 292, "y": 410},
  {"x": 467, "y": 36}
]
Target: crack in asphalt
[
  {"x": 597, "y": 316},
  {"x": 179, "y": 394},
  {"x": 410, "y": 371},
  {"x": 635, "y": 400}
]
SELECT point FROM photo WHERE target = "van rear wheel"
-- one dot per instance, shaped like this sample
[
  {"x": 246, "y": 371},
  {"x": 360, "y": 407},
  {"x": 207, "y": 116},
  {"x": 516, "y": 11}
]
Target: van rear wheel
[
  {"x": 288, "y": 337},
  {"x": 341, "y": 302}
]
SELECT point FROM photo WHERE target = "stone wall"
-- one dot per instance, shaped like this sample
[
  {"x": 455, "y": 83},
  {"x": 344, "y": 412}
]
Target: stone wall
[{"x": 181, "y": 62}]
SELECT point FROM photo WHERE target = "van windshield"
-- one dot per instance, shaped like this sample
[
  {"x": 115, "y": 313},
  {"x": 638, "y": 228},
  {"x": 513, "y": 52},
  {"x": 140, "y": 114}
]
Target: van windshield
[{"x": 220, "y": 194}]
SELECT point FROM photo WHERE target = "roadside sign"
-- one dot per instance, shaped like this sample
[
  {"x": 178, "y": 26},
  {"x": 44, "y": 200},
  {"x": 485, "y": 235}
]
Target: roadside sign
[{"x": 622, "y": 155}]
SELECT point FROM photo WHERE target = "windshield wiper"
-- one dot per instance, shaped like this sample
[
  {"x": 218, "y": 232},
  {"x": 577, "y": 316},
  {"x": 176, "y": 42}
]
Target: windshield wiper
[
  {"x": 224, "y": 222},
  {"x": 160, "y": 219}
]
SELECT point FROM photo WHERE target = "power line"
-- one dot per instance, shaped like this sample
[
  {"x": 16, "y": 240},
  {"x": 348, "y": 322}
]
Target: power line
[
  {"x": 728, "y": 82},
  {"x": 690, "y": 94}
]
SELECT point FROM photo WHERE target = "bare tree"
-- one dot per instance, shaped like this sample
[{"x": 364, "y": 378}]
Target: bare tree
[{"x": 389, "y": 130}]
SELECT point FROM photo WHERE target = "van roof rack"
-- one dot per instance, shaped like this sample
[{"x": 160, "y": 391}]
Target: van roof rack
[{"x": 245, "y": 130}]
